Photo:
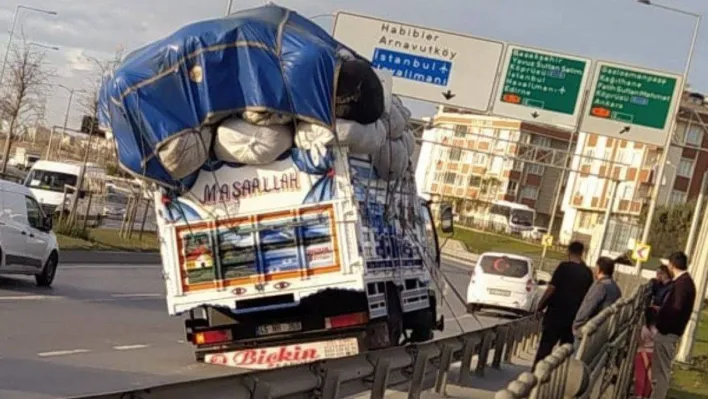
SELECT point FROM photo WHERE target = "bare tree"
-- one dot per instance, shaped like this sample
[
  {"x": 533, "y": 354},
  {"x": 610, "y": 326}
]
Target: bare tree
[
  {"x": 90, "y": 102},
  {"x": 23, "y": 92}
]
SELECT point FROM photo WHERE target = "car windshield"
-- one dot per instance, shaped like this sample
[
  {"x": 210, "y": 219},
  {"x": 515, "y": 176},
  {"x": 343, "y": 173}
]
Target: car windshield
[
  {"x": 504, "y": 266},
  {"x": 522, "y": 217},
  {"x": 49, "y": 180}
]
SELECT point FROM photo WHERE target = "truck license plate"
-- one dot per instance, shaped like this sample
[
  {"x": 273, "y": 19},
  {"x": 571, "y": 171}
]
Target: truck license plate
[
  {"x": 499, "y": 292},
  {"x": 279, "y": 328}
]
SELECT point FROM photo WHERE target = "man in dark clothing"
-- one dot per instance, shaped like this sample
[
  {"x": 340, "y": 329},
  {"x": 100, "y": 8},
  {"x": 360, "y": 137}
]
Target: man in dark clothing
[
  {"x": 674, "y": 313},
  {"x": 660, "y": 287},
  {"x": 602, "y": 294},
  {"x": 562, "y": 299}
]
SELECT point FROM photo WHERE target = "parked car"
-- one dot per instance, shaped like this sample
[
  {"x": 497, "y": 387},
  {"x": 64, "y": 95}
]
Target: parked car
[
  {"x": 27, "y": 244},
  {"x": 536, "y": 233},
  {"x": 503, "y": 281}
]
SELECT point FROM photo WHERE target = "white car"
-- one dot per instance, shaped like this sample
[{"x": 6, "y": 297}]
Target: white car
[
  {"x": 503, "y": 281},
  {"x": 27, "y": 244}
]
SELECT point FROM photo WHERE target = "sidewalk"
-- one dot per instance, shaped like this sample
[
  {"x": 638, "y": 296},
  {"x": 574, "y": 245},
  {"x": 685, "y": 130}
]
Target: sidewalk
[{"x": 478, "y": 388}]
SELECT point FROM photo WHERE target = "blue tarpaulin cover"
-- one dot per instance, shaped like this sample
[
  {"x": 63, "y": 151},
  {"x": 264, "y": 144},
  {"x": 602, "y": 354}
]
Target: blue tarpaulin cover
[{"x": 267, "y": 58}]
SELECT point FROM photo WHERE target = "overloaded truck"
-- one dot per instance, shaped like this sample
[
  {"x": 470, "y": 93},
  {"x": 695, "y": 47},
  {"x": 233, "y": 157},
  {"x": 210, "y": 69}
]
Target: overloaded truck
[{"x": 289, "y": 223}]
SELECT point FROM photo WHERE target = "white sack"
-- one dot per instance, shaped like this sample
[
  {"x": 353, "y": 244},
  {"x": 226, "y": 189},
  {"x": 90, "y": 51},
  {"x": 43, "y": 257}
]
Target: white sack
[
  {"x": 391, "y": 161},
  {"x": 185, "y": 153},
  {"x": 409, "y": 142},
  {"x": 266, "y": 118},
  {"x": 396, "y": 119},
  {"x": 361, "y": 139},
  {"x": 310, "y": 135},
  {"x": 239, "y": 141}
]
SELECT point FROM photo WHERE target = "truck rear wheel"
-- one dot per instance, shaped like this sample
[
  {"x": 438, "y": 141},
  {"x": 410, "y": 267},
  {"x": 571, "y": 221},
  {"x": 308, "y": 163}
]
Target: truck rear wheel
[{"x": 395, "y": 315}]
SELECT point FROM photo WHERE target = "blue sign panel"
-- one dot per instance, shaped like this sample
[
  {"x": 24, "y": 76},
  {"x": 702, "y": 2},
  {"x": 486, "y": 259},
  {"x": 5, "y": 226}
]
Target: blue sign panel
[{"x": 412, "y": 67}]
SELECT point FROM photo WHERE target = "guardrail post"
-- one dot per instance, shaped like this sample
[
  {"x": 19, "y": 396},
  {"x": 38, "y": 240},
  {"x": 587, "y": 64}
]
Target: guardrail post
[
  {"x": 332, "y": 381},
  {"x": 468, "y": 350},
  {"x": 500, "y": 342},
  {"x": 261, "y": 389},
  {"x": 378, "y": 389},
  {"x": 443, "y": 369},
  {"x": 416, "y": 388},
  {"x": 483, "y": 356}
]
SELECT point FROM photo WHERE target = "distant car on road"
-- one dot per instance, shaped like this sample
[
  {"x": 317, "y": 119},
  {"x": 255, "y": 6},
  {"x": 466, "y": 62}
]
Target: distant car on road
[
  {"x": 536, "y": 233},
  {"x": 503, "y": 281},
  {"x": 27, "y": 244}
]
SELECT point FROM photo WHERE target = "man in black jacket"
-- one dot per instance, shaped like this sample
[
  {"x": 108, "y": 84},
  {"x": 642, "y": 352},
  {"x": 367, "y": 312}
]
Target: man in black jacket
[
  {"x": 570, "y": 282},
  {"x": 674, "y": 313}
]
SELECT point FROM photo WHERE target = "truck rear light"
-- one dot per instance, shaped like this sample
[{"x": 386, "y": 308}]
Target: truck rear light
[
  {"x": 529, "y": 285},
  {"x": 346, "y": 320},
  {"x": 212, "y": 337}
]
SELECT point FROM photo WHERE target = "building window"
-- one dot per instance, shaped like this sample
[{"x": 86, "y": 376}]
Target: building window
[
  {"x": 460, "y": 130},
  {"x": 512, "y": 187},
  {"x": 450, "y": 177},
  {"x": 585, "y": 220},
  {"x": 479, "y": 159},
  {"x": 455, "y": 154},
  {"x": 475, "y": 181},
  {"x": 536, "y": 169},
  {"x": 529, "y": 192},
  {"x": 518, "y": 166},
  {"x": 694, "y": 135},
  {"x": 437, "y": 177},
  {"x": 588, "y": 155},
  {"x": 677, "y": 197},
  {"x": 541, "y": 141},
  {"x": 626, "y": 191},
  {"x": 685, "y": 168}
]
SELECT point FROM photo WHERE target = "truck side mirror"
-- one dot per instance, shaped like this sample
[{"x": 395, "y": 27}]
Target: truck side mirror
[{"x": 446, "y": 220}]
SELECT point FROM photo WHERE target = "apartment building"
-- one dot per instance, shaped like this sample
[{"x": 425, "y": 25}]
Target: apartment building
[
  {"x": 633, "y": 166},
  {"x": 479, "y": 162}
]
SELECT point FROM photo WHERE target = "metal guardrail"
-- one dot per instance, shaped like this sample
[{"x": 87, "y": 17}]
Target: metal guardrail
[
  {"x": 603, "y": 364},
  {"x": 367, "y": 372}
]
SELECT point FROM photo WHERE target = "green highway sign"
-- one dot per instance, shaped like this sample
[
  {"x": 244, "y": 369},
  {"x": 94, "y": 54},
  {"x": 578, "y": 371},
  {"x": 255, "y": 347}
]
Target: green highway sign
[
  {"x": 631, "y": 103},
  {"x": 541, "y": 86},
  {"x": 633, "y": 97}
]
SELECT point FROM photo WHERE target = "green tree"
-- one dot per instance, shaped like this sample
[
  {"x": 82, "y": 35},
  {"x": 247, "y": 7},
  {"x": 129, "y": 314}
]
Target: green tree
[{"x": 670, "y": 227}]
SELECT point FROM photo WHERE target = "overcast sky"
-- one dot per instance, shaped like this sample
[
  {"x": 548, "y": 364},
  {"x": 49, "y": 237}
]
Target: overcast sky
[{"x": 616, "y": 30}]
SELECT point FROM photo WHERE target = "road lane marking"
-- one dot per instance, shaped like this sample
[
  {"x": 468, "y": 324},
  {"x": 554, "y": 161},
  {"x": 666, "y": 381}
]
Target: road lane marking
[
  {"x": 137, "y": 295},
  {"x": 63, "y": 353},
  {"x": 130, "y": 347},
  {"x": 27, "y": 297}
]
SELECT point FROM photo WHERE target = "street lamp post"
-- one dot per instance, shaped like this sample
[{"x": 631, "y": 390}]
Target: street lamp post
[
  {"x": 699, "y": 269},
  {"x": 66, "y": 115},
  {"x": 6, "y": 152},
  {"x": 665, "y": 152}
]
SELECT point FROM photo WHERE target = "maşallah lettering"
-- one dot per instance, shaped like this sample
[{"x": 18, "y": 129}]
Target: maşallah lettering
[{"x": 237, "y": 190}]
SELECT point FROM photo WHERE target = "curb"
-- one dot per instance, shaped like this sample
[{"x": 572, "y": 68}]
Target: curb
[{"x": 109, "y": 257}]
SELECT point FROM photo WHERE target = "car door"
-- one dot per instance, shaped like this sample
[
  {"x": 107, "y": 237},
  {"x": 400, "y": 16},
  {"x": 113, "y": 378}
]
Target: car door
[
  {"x": 14, "y": 231},
  {"x": 37, "y": 239}
]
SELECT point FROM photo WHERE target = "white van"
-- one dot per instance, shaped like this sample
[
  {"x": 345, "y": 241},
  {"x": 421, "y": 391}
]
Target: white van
[
  {"x": 47, "y": 180},
  {"x": 27, "y": 243},
  {"x": 503, "y": 281}
]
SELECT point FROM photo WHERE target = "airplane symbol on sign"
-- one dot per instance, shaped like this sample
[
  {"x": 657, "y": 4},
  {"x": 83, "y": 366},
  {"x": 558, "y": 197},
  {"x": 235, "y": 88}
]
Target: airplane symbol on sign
[
  {"x": 562, "y": 90},
  {"x": 443, "y": 68}
]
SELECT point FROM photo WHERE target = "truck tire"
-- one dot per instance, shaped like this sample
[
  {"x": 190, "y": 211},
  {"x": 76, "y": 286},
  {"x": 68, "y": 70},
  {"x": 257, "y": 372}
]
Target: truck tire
[
  {"x": 422, "y": 325},
  {"x": 395, "y": 315}
]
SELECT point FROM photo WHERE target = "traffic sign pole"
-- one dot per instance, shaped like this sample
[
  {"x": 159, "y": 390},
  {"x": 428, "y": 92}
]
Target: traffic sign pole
[
  {"x": 564, "y": 173},
  {"x": 665, "y": 151}
]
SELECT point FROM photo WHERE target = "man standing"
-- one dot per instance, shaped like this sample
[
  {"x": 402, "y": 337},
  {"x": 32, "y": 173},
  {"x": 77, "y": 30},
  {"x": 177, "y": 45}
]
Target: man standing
[
  {"x": 660, "y": 287},
  {"x": 674, "y": 313},
  {"x": 563, "y": 296},
  {"x": 602, "y": 294}
]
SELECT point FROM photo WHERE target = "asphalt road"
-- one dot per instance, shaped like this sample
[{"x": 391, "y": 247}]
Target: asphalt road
[{"x": 105, "y": 328}]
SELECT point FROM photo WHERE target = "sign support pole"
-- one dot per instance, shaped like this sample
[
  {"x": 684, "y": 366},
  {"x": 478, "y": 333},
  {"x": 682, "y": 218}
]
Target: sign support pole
[
  {"x": 575, "y": 135},
  {"x": 667, "y": 145}
]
